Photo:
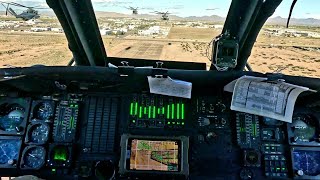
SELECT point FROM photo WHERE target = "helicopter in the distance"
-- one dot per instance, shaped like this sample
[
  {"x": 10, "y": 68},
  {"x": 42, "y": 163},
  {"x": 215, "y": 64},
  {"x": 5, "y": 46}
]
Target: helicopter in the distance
[
  {"x": 134, "y": 10},
  {"x": 29, "y": 13},
  {"x": 164, "y": 15}
]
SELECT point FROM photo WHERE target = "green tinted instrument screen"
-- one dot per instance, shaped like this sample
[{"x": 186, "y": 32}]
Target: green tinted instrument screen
[
  {"x": 60, "y": 153},
  {"x": 157, "y": 111}
]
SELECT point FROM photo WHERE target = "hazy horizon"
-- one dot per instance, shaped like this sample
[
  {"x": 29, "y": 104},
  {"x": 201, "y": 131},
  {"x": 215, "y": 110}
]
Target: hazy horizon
[{"x": 184, "y": 8}]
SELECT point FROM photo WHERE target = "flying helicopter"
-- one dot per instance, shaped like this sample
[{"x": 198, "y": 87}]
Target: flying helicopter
[
  {"x": 134, "y": 10},
  {"x": 164, "y": 15},
  {"x": 29, "y": 13}
]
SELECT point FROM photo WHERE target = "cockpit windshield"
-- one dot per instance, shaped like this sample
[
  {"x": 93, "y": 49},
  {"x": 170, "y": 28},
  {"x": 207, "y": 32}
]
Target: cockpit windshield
[{"x": 162, "y": 30}]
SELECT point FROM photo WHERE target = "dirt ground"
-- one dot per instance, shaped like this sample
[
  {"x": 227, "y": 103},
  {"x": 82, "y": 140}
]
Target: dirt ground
[{"x": 291, "y": 55}]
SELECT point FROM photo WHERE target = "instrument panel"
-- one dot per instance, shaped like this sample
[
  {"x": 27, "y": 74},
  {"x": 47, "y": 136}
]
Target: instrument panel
[
  {"x": 151, "y": 111},
  {"x": 142, "y": 135}
]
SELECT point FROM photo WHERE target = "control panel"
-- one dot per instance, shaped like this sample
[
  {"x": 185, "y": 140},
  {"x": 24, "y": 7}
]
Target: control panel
[
  {"x": 156, "y": 111},
  {"x": 211, "y": 112},
  {"x": 142, "y": 135}
]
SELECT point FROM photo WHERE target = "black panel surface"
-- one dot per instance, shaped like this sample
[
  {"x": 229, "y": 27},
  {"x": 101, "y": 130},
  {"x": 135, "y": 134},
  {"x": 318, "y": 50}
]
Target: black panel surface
[{"x": 98, "y": 132}]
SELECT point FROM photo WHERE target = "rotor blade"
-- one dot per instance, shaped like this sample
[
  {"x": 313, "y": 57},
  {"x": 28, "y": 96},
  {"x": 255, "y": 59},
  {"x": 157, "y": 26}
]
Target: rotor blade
[
  {"x": 290, "y": 13},
  {"x": 41, "y": 8},
  {"x": 5, "y": 8},
  {"x": 14, "y": 4},
  {"x": 11, "y": 11},
  {"x": 147, "y": 8},
  {"x": 212, "y": 9}
]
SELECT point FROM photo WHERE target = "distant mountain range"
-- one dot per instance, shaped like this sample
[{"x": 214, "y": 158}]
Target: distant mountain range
[
  {"x": 214, "y": 18},
  {"x": 294, "y": 21}
]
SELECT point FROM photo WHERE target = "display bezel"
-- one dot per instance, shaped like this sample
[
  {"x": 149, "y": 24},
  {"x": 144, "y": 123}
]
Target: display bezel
[
  {"x": 36, "y": 104},
  {"x": 183, "y": 145},
  {"x": 23, "y": 102},
  {"x": 14, "y": 138},
  {"x": 26, "y": 149},
  {"x": 30, "y": 128},
  {"x": 129, "y": 149},
  {"x": 293, "y": 161}
]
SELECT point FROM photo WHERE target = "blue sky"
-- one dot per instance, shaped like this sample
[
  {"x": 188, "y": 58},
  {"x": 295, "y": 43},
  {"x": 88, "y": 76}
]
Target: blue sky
[{"x": 303, "y": 9}]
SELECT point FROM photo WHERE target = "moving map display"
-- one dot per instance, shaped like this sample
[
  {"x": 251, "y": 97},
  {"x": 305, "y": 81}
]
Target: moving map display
[{"x": 154, "y": 155}]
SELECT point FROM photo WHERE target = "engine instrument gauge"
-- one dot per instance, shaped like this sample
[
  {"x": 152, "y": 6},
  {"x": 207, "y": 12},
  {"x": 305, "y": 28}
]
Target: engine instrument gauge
[
  {"x": 246, "y": 174},
  {"x": 33, "y": 157},
  {"x": 37, "y": 133},
  {"x": 43, "y": 111},
  {"x": 9, "y": 151},
  {"x": 252, "y": 158},
  {"x": 12, "y": 118}
]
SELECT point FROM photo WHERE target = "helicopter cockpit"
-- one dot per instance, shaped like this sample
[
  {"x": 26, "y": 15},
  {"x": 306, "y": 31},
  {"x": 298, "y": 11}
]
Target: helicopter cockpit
[{"x": 104, "y": 117}]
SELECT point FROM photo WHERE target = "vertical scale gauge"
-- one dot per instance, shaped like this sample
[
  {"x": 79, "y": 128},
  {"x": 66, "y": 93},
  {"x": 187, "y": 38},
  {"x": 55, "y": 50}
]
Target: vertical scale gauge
[
  {"x": 151, "y": 111},
  {"x": 248, "y": 131},
  {"x": 65, "y": 122}
]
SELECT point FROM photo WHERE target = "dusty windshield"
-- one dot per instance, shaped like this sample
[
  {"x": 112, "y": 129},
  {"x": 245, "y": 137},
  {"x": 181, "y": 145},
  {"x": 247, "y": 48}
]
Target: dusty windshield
[{"x": 164, "y": 30}]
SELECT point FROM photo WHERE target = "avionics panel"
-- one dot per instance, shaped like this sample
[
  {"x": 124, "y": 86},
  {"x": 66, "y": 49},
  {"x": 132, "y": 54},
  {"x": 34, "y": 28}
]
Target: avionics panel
[
  {"x": 305, "y": 162},
  {"x": 156, "y": 111},
  {"x": 65, "y": 121},
  {"x": 10, "y": 151},
  {"x": 154, "y": 154}
]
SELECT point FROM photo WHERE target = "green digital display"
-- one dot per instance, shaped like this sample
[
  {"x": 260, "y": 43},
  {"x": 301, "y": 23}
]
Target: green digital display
[
  {"x": 172, "y": 111},
  {"x": 60, "y": 153}
]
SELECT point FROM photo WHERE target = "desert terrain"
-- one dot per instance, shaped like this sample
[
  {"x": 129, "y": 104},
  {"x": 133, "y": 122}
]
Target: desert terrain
[{"x": 290, "y": 55}]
